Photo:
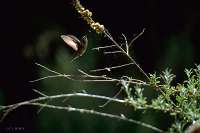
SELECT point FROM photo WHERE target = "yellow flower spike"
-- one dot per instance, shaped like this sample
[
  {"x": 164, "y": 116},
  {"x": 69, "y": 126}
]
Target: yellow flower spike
[
  {"x": 87, "y": 16},
  {"x": 86, "y": 13}
]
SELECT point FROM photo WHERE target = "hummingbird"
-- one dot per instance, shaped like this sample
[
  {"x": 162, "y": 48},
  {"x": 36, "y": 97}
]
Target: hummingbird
[{"x": 79, "y": 46}]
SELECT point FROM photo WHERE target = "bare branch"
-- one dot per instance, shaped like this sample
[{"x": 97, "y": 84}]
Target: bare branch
[
  {"x": 126, "y": 43},
  {"x": 91, "y": 76},
  {"x": 51, "y": 76},
  {"x": 47, "y": 77},
  {"x": 97, "y": 78},
  {"x": 121, "y": 49},
  {"x": 7, "y": 111},
  {"x": 112, "y": 52},
  {"x": 63, "y": 96},
  {"x": 85, "y": 77},
  {"x": 34, "y": 102},
  {"x": 105, "y": 47},
  {"x": 104, "y": 78},
  {"x": 86, "y": 111},
  {"x": 136, "y": 37},
  {"x": 112, "y": 97},
  {"x": 109, "y": 68},
  {"x": 52, "y": 71},
  {"x": 93, "y": 112},
  {"x": 39, "y": 92}
]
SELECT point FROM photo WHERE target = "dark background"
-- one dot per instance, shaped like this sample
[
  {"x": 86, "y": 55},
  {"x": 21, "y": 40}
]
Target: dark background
[{"x": 31, "y": 33}]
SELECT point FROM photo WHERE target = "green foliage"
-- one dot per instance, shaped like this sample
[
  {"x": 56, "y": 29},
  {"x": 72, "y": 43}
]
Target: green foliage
[
  {"x": 181, "y": 101},
  {"x": 154, "y": 79}
]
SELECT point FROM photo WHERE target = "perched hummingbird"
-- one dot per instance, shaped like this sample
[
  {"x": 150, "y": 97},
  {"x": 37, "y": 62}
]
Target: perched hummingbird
[{"x": 79, "y": 46}]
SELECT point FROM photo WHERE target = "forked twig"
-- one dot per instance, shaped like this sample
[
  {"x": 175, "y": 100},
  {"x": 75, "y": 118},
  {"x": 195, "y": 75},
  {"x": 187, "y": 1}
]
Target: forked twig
[
  {"x": 123, "y": 51},
  {"x": 42, "y": 94}
]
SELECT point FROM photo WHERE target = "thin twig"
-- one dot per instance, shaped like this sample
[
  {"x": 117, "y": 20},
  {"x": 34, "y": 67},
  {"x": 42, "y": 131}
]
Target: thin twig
[
  {"x": 107, "y": 102},
  {"x": 111, "y": 80},
  {"x": 136, "y": 37},
  {"x": 85, "y": 76},
  {"x": 109, "y": 68},
  {"x": 39, "y": 92},
  {"x": 48, "y": 69},
  {"x": 98, "y": 48},
  {"x": 11, "y": 107},
  {"x": 42, "y": 94},
  {"x": 63, "y": 96},
  {"x": 95, "y": 78},
  {"x": 52, "y": 76},
  {"x": 126, "y": 43},
  {"x": 71, "y": 109},
  {"x": 104, "y": 78},
  {"x": 7, "y": 109},
  {"x": 92, "y": 76},
  {"x": 112, "y": 52}
]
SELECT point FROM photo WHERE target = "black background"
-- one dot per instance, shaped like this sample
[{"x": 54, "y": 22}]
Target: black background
[{"x": 23, "y": 21}]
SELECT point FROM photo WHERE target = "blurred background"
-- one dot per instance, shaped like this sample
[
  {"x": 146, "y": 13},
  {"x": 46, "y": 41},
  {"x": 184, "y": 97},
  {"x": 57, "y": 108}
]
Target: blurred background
[{"x": 31, "y": 33}]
